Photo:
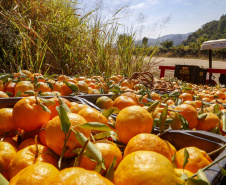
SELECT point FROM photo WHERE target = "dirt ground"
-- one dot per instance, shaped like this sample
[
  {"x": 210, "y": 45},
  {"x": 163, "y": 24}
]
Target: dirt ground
[{"x": 184, "y": 61}]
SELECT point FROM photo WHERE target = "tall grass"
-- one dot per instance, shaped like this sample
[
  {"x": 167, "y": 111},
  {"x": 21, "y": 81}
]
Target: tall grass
[{"x": 49, "y": 36}]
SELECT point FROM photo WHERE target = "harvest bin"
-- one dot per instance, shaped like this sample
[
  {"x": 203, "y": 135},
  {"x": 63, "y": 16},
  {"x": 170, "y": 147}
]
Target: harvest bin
[{"x": 179, "y": 138}]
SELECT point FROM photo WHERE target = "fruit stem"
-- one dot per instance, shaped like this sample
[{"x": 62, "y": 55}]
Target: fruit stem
[
  {"x": 78, "y": 160},
  {"x": 217, "y": 150},
  {"x": 36, "y": 145}
]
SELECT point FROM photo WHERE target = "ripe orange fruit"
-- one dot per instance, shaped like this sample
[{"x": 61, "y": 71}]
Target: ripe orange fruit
[
  {"x": 122, "y": 102},
  {"x": 62, "y": 78},
  {"x": 93, "y": 115},
  {"x": 220, "y": 94},
  {"x": 27, "y": 142},
  {"x": 147, "y": 142},
  {"x": 28, "y": 115},
  {"x": 186, "y": 97},
  {"x": 192, "y": 103},
  {"x": 39, "y": 76},
  {"x": 3, "y": 95},
  {"x": 197, "y": 159},
  {"x": 55, "y": 136},
  {"x": 42, "y": 135},
  {"x": 52, "y": 108},
  {"x": 34, "y": 174},
  {"x": 43, "y": 87},
  {"x": 10, "y": 87},
  {"x": 76, "y": 108},
  {"x": 1, "y": 85},
  {"x": 77, "y": 176},
  {"x": 206, "y": 99},
  {"x": 27, "y": 157},
  {"x": 9, "y": 140},
  {"x": 131, "y": 121},
  {"x": 126, "y": 83},
  {"x": 7, "y": 153},
  {"x": 209, "y": 122},
  {"x": 155, "y": 96},
  {"x": 82, "y": 86},
  {"x": 6, "y": 121},
  {"x": 198, "y": 103},
  {"x": 104, "y": 102},
  {"x": 189, "y": 113},
  {"x": 146, "y": 167},
  {"x": 24, "y": 86},
  {"x": 108, "y": 150},
  {"x": 65, "y": 90}
]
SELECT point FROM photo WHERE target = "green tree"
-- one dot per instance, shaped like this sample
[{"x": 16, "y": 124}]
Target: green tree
[
  {"x": 167, "y": 44},
  {"x": 145, "y": 41}
]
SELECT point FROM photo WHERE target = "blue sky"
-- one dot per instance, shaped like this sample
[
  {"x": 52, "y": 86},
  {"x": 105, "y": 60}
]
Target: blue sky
[{"x": 153, "y": 17}]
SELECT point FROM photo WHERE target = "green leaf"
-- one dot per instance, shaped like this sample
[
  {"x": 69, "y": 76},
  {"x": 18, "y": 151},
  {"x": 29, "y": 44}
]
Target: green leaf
[
  {"x": 162, "y": 119},
  {"x": 223, "y": 118},
  {"x": 108, "y": 112},
  {"x": 45, "y": 108},
  {"x": 186, "y": 156},
  {"x": 3, "y": 180},
  {"x": 91, "y": 148},
  {"x": 196, "y": 182},
  {"x": 50, "y": 85},
  {"x": 184, "y": 176},
  {"x": 78, "y": 159},
  {"x": 48, "y": 102},
  {"x": 223, "y": 171},
  {"x": 61, "y": 102},
  {"x": 9, "y": 93},
  {"x": 35, "y": 81},
  {"x": 184, "y": 122},
  {"x": 38, "y": 86},
  {"x": 65, "y": 123},
  {"x": 4, "y": 77},
  {"x": 174, "y": 162},
  {"x": 174, "y": 94},
  {"x": 18, "y": 94},
  {"x": 73, "y": 87},
  {"x": 202, "y": 116},
  {"x": 29, "y": 92},
  {"x": 95, "y": 126},
  {"x": 216, "y": 109},
  {"x": 110, "y": 173},
  {"x": 202, "y": 176},
  {"x": 115, "y": 95},
  {"x": 102, "y": 135},
  {"x": 153, "y": 106}
]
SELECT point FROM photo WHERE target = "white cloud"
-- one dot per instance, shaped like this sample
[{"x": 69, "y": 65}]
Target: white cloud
[{"x": 137, "y": 6}]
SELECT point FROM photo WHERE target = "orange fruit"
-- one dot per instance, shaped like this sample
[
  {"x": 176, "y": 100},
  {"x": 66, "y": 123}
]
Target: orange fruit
[
  {"x": 155, "y": 96},
  {"x": 93, "y": 91},
  {"x": 170, "y": 102},
  {"x": 9, "y": 140},
  {"x": 6, "y": 121},
  {"x": 77, "y": 176},
  {"x": 55, "y": 136},
  {"x": 23, "y": 86},
  {"x": 56, "y": 86},
  {"x": 27, "y": 157},
  {"x": 122, "y": 102},
  {"x": 108, "y": 150},
  {"x": 7, "y": 153},
  {"x": 43, "y": 87},
  {"x": 186, "y": 96},
  {"x": 192, "y": 103},
  {"x": 93, "y": 115},
  {"x": 126, "y": 83},
  {"x": 1, "y": 85},
  {"x": 3, "y": 95},
  {"x": 131, "y": 121},
  {"x": 39, "y": 76},
  {"x": 104, "y": 102},
  {"x": 220, "y": 95},
  {"x": 146, "y": 167},
  {"x": 62, "y": 78},
  {"x": 189, "y": 113},
  {"x": 42, "y": 135},
  {"x": 211, "y": 97},
  {"x": 65, "y": 90},
  {"x": 28, "y": 115},
  {"x": 27, "y": 142},
  {"x": 76, "y": 108},
  {"x": 147, "y": 142},
  {"x": 198, "y": 103},
  {"x": 197, "y": 159},
  {"x": 10, "y": 87},
  {"x": 34, "y": 174},
  {"x": 52, "y": 108},
  {"x": 82, "y": 86},
  {"x": 206, "y": 99},
  {"x": 209, "y": 122},
  {"x": 26, "y": 72}
]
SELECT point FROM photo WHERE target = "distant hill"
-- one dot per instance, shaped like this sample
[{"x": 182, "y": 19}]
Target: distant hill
[
  {"x": 212, "y": 30},
  {"x": 176, "y": 38}
]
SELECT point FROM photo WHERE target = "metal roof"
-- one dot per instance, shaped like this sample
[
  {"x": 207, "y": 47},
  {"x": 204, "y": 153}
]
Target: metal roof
[{"x": 214, "y": 44}]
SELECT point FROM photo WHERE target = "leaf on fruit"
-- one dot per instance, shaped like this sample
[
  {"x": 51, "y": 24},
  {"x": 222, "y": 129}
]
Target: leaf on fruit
[
  {"x": 186, "y": 156},
  {"x": 162, "y": 119},
  {"x": 50, "y": 85},
  {"x": 110, "y": 173},
  {"x": 202, "y": 176},
  {"x": 29, "y": 92},
  {"x": 103, "y": 135},
  {"x": 65, "y": 123},
  {"x": 202, "y": 116},
  {"x": 153, "y": 106},
  {"x": 61, "y": 102},
  {"x": 184, "y": 122},
  {"x": 108, "y": 112},
  {"x": 73, "y": 87},
  {"x": 18, "y": 94},
  {"x": 95, "y": 126},
  {"x": 3, "y": 180},
  {"x": 91, "y": 148},
  {"x": 45, "y": 108},
  {"x": 48, "y": 102}
]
